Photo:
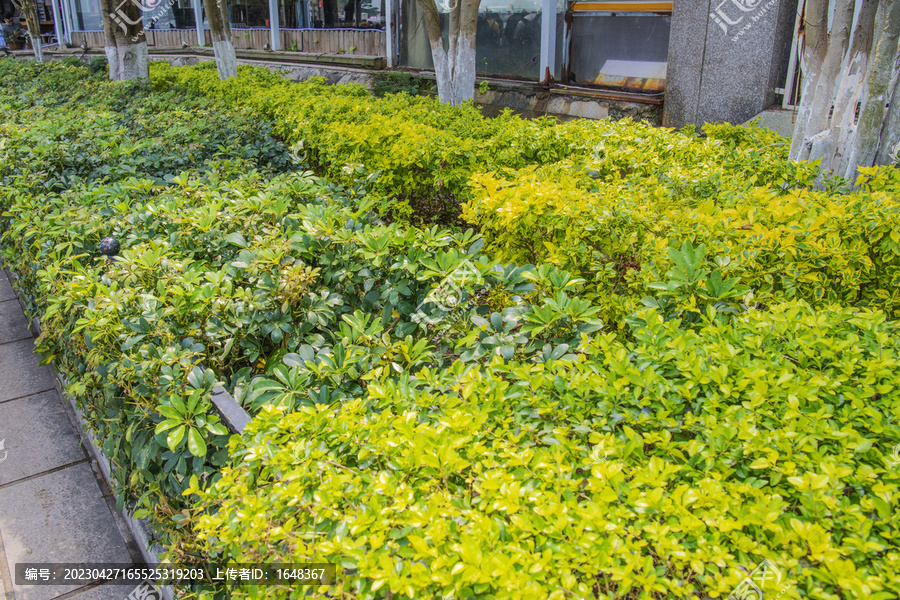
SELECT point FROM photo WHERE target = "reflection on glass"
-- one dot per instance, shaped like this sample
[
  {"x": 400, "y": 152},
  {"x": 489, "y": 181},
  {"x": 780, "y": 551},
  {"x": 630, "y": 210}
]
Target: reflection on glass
[
  {"x": 87, "y": 15},
  {"x": 332, "y": 14},
  {"x": 507, "y": 40},
  {"x": 168, "y": 14},
  {"x": 246, "y": 14},
  {"x": 620, "y": 51}
]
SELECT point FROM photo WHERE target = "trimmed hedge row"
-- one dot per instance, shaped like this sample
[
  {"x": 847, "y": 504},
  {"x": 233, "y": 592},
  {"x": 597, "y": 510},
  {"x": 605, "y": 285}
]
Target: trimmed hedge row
[
  {"x": 240, "y": 272},
  {"x": 824, "y": 247},
  {"x": 438, "y": 423},
  {"x": 604, "y": 200},
  {"x": 670, "y": 466}
]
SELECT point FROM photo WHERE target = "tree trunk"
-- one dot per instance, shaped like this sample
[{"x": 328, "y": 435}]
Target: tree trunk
[
  {"x": 29, "y": 9},
  {"x": 815, "y": 47},
  {"x": 454, "y": 65},
  {"x": 869, "y": 73},
  {"x": 850, "y": 90},
  {"x": 880, "y": 83},
  {"x": 220, "y": 32},
  {"x": 125, "y": 46},
  {"x": 820, "y": 104},
  {"x": 889, "y": 145},
  {"x": 109, "y": 42}
]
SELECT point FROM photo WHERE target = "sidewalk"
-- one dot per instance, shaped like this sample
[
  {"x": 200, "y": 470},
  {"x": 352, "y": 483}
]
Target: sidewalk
[{"x": 54, "y": 505}]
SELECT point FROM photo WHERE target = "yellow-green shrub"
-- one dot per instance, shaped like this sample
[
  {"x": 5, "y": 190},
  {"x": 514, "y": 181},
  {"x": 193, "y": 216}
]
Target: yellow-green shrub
[
  {"x": 425, "y": 151},
  {"x": 797, "y": 243},
  {"x": 603, "y": 199},
  {"x": 666, "y": 467}
]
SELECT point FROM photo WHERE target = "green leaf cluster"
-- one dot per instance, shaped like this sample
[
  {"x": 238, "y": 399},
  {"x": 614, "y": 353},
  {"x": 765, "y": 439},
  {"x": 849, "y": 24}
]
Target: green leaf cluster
[
  {"x": 668, "y": 466},
  {"x": 604, "y": 200},
  {"x": 285, "y": 288}
]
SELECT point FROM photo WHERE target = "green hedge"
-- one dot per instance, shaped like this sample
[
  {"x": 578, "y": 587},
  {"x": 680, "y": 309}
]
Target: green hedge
[
  {"x": 670, "y": 466},
  {"x": 425, "y": 152},
  {"x": 436, "y": 421},
  {"x": 237, "y": 270},
  {"x": 604, "y": 200}
]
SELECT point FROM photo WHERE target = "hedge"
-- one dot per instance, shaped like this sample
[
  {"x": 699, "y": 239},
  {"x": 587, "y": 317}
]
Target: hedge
[
  {"x": 670, "y": 466},
  {"x": 603, "y": 200},
  {"x": 237, "y": 270},
  {"x": 425, "y": 152},
  {"x": 438, "y": 421}
]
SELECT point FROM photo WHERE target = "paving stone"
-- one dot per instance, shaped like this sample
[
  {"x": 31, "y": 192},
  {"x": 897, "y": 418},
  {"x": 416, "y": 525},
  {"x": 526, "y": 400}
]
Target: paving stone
[
  {"x": 60, "y": 517},
  {"x": 13, "y": 324},
  {"x": 38, "y": 436},
  {"x": 20, "y": 373},
  {"x": 6, "y": 291}
]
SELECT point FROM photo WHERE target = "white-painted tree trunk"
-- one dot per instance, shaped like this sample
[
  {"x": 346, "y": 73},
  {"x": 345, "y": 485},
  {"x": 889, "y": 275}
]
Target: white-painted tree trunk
[
  {"x": 811, "y": 72},
  {"x": 869, "y": 74},
  {"x": 883, "y": 67},
  {"x": 455, "y": 74},
  {"x": 126, "y": 46},
  {"x": 815, "y": 47},
  {"x": 820, "y": 103},
  {"x": 889, "y": 144},
  {"x": 851, "y": 87},
  {"x": 112, "y": 60},
  {"x": 38, "y": 49},
  {"x": 220, "y": 36},
  {"x": 29, "y": 10},
  {"x": 226, "y": 59},
  {"x": 454, "y": 65},
  {"x": 134, "y": 61}
]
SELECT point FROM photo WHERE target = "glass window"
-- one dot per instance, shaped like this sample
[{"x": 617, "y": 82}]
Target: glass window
[
  {"x": 87, "y": 15},
  {"x": 507, "y": 40},
  {"x": 157, "y": 14},
  {"x": 182, "y": 15},
  {"x": 166, "y": 14},
  {"x": 345, "y": 14},
  {"x": 294, "y": 14},
  {"x": 247, "y": 14},
  {"x": 619, "y": 50}
]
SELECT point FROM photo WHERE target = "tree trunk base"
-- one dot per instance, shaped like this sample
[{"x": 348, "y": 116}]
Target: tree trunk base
[
  {"x": 226, "y": 60},
  {"x": 38, "y": 49},
  {"x": 134, "y": 61}
]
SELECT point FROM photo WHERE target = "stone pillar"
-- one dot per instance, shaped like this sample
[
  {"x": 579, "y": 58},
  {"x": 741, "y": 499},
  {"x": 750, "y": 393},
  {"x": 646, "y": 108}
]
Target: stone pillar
[
  {"x": 274, "y": 25},
  {"x": 548, "y": 39},
  {"x": 198, "y": 21},
  {"x": 726, "y": 57}
]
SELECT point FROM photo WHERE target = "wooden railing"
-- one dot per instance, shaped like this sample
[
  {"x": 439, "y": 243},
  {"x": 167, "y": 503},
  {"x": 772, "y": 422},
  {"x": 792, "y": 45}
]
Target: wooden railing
[{"x": 361, "y": 42}]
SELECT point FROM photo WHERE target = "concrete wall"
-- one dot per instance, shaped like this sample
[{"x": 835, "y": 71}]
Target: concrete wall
[
  {"x": 530, "y": 101},
  {"x": 726, "y": 57}
]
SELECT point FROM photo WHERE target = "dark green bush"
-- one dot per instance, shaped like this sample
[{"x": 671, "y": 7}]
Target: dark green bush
[
  {"x": 393, "y": 82},
  {"x": 223, "y": 267}
]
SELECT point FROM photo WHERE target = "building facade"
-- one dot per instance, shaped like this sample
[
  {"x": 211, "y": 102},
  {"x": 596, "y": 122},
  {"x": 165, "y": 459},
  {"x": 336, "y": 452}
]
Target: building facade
[{"x": 710, "y": 60}]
